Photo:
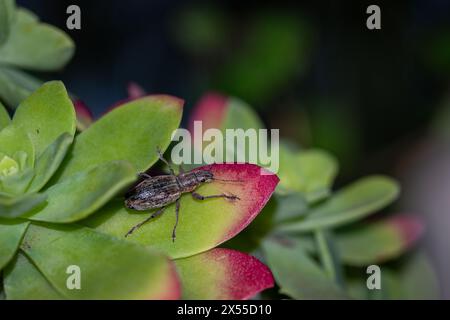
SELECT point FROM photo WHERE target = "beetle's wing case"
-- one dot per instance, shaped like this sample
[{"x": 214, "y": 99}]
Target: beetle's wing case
[{"x": 154, "y": 192}]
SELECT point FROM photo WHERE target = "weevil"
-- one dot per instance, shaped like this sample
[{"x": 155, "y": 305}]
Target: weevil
[{"x": 160, "y": 191}]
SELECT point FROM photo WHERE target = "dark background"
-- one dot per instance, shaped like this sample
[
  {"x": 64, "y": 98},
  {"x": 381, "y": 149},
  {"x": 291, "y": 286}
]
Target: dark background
[{"x": 381, "y": 78}]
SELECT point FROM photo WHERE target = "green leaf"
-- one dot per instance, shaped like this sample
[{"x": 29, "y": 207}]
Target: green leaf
[
  {"x": 109, "y": 268},
  {"x": 16, "y": 86},
  {"x": 13, "y": 207},
  {"x": 11, "y": 233},
  {"x": 411, "y": 278},
  {"x": 297, "y": 274},
  {"x": 17, "y": 183},
  {"x": 36, "y": 46},
  {"x": 378, "y": 242},
  {"x": 7, "y": 14},
  {"x": 46, "y": 114},
  {"x": 23, "y": 281},
  {"x": 352, "y": 203},
  {"x": 4, "y": 117},
  {"x": 202, "y": 224},
  {"x": 289, "y": 206},
  {"x": 240, "y": 115},
  {"x": 80, "y": 195},
  {"x": 14, "y": 139},
  {"x": 131, "y": 132},
  {"x": 310, "y": 172},
  {"x": 49, "y": 161},
  {"x": 417, "y": 279},
  {"x": 222, "y": 113}
]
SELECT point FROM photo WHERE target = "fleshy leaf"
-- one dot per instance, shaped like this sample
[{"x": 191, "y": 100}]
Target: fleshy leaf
[
  {"x": 11, "y": 233},
  {"x": 84, "y": 115},
  {"x": 7, "y": 15},
  {"x": 23, "y": 281},
  {"x": 137, "y": 272},
  {"x": 211, "y": 110},
  {"x": 13, "y": 207},
  {"x": 36, "y": 46},
  {"x": 354, "y": 202},
  {"x": 80, "y": 195},
  {"x": 14, "y": 139},
  {"x": 46, "y": 114},
  {"x": 218, "y": 112},
  {"x": 380, "y": 241},
  {"x": 415, "y": 279},
  {"x": 411, "y": 278},
  {"x": 49, "y": 161},
  {"x": 132, "y": 133},
  {"x": 222, "y": 274},
  {"x": 202, "y": 224},
  {"x": 16, "y": 86},
  {"x": 297, "y": 274},
  {"x": 16, "y": 183},
  {"x": 290, "y": 206},
  {"x": 5, "y": 120},
  {"x": 310, "y": 172}
]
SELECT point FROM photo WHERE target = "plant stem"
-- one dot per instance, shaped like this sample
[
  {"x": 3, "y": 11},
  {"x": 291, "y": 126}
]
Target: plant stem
[
  {"x": 328, "y": 257},
  {"x": 325, "y": 254}
]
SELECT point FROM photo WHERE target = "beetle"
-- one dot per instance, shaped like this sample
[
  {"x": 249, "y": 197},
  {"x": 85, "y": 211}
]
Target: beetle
[{"x": 160, "y": 191}]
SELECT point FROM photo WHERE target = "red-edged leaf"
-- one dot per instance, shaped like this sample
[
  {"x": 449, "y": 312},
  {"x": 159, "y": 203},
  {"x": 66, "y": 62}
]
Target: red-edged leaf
[
  {"x": 202, "y": 224},
  {"x": 223, "y": 274},
  {"x": 380, "y": 241},
  {"x": 155, "y": 96},
  {"x": 211, "y": 110}
]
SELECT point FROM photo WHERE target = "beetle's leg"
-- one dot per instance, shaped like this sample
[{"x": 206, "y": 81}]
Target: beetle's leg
[
  {"x": 180, "y": 169},
  {"x": 177, "y": 212},
  {"x": 154, "y": 215},
  {"x": 144, "y": 175},
  {"x": 223, "y": 195},
  {"x": 161, "y": 157}
]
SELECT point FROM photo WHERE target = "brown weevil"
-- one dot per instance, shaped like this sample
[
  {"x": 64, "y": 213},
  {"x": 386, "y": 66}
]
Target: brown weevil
[{"x": 161, "y": 191}]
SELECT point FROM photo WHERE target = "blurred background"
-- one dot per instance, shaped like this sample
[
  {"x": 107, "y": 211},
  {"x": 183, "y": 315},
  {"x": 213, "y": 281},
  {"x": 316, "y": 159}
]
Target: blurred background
[{"x": 378, "y": 99}]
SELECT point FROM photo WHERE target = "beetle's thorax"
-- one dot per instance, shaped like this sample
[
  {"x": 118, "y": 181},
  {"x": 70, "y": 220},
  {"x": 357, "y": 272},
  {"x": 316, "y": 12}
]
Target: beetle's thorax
[{"x": 188, "y": 181}]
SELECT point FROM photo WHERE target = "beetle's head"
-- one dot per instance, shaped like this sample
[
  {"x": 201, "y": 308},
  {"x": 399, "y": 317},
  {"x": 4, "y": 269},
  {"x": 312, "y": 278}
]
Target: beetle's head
[{"x": 204, "y": 176}]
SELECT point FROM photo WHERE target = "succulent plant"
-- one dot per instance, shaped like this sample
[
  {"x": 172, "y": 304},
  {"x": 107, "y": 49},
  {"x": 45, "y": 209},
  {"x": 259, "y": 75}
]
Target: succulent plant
[
  {"x": 58, "y": 208},
  {"x": 63, "y": 176},
  {"x": 311, "y": 236},
  {"x": 27, "y": 44}
]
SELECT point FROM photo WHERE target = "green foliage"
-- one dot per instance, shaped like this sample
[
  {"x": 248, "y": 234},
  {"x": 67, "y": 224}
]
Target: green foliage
[
  {"x": 354, "y": 202},
  {"x": 66, "y": 178},
  {"x": 58, "y": 189},
  {"x": 307, "y": 221},
  {"x": 24, "y": 48},
  {"x": 23, "y": 281},
  {"x": 297, "y": 274},
  {"x": 32, "y": 149},
  {"x": 11, "y": 233},
  {"x": 27, "y": 43}
]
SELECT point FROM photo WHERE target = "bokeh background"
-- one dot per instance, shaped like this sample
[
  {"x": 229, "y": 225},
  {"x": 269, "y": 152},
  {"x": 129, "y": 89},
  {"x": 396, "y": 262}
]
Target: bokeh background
[{"x": 379, "y": 100}]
